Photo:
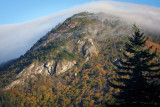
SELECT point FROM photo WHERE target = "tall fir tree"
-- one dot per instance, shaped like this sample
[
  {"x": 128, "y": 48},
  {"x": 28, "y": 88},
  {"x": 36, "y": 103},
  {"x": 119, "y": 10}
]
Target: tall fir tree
[{"x": 137, "y": 73}]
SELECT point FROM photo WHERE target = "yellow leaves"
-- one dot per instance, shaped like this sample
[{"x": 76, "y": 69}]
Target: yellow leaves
[
  {"x": 117, "y": 90},
  {"x": 39, "y": 97},
  {"x": 108, "y": 95},
  {"x": 86, "y": 71},
  {"x": 86, "y": 77},
  {"x": 111, "y": 89},
  {"x": 50, "y": 89},
  {"x": 46, "y": 96},
  {"x": 99, "y": 69},
  {"x": 79, "y": 98},
  {"x": 87, "y": 98},
  {"x": 73, "y": 82},
  {"x": 22, "y": 104},
  {"x": 58, "y": 93},
  {"x": 98, "y": 66},
  {"x": 31, "y": 100},
  {"x": 100, "y": 98},
  {"x": 102, "y": 71},
  {"x": 43, "y": 88},
  {"x": 95, "y": 54},
  {"x": 91, "y": 103},
  {"x": 97, "y": 95}
]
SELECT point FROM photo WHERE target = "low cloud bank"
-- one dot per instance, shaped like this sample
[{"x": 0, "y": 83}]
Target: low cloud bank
[{"x": 16, "y": 39}]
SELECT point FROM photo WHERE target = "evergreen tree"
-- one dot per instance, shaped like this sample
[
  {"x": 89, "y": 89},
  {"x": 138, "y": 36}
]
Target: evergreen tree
[{"x": 136, "y": 73}]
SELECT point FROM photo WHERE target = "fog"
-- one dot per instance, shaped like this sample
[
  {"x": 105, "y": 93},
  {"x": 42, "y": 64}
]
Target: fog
[{"x": 16, "y": 39}]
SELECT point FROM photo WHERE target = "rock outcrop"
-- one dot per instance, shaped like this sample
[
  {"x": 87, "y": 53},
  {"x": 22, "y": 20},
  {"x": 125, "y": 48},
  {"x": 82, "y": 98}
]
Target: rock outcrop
[
  {"x": 48, "y": 68},
  {"x": 63, "y": 66},
  {"x": 34, "y": 68},
  {"x": 89, "y": 48}
]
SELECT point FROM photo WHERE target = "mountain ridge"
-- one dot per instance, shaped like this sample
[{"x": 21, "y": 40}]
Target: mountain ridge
[
  {"x": 82, "y": 30},
  {"x": 73, "y": 39},
  {"x": 74, "y": 61}
]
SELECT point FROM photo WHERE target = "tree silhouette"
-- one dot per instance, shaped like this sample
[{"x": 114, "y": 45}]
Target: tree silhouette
[{"x": 137, "y": 73}]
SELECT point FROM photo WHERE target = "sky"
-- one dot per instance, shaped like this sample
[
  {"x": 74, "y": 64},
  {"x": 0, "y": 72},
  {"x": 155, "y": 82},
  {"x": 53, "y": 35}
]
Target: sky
[
  {"x": 19, "y": 11},
  {"x": 23, "y": 22}
]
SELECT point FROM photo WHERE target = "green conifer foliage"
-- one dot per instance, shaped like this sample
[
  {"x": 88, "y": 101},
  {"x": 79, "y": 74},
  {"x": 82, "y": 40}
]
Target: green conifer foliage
[{"x": 137, "y": 73}]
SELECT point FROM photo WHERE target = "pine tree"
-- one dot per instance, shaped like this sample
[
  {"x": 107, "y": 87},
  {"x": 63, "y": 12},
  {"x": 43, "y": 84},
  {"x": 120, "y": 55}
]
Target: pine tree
[{"x": 136, "y": 73}]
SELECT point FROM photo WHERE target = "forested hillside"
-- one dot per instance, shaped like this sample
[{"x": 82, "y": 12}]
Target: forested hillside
[{"x": 71, "y": 65}]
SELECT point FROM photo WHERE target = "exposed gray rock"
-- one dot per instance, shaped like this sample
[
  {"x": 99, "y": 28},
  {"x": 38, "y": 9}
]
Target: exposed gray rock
[
  {"x": 13, "y": 84},
  {"x": 34, "y": 68},
  {"x": 41, "y": 68},
  {"x": 89, "y": 48},
  {"x": 64, "y": 65},
  {"x": 47, "y": 69}
]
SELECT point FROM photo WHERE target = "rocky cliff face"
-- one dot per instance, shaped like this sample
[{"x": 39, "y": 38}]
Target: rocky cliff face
[
  {"x": 89, "y": 48},
  {"x": 63, "y": 66},
  {"x": 48, "y": 68}
]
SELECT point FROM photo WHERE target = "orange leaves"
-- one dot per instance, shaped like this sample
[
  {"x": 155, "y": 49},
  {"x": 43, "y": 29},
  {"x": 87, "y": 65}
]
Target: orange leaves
[
  {"x": 22, "y": 104},
  {"x": 98, "y": 66},
  {"x": 117, "y": 90},
  {"x": 85, "y": 77},
  {"x": 43, "y": 88},
  {"x": 100, "y": 98},
  {"x": 88, "y": 98},
  {"x": 86, "y": 71},
  {"x": 82, "y": 93},
  {"x": 100, "y": 84},
  {"x": 46, "y": 96},
  {"x": 111, "y": 89},
  {"x": 91, "y": 103},
  {"x": 102, "y": 71},
  {"x": 149, "y": 43},
  {"x": 31, "y": 100}
]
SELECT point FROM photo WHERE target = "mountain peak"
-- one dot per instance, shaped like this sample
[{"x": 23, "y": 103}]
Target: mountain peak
[
  {"x": 73, "y": 61},
  {"x": 77, "y": 38}
]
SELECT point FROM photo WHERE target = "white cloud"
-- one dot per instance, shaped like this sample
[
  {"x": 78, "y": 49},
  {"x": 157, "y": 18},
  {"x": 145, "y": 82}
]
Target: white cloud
[{"x": 16, "y": 39}]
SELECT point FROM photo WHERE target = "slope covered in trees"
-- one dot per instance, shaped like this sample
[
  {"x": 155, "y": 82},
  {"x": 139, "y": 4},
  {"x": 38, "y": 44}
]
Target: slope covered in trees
[{"x": 87, "y": 82}]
